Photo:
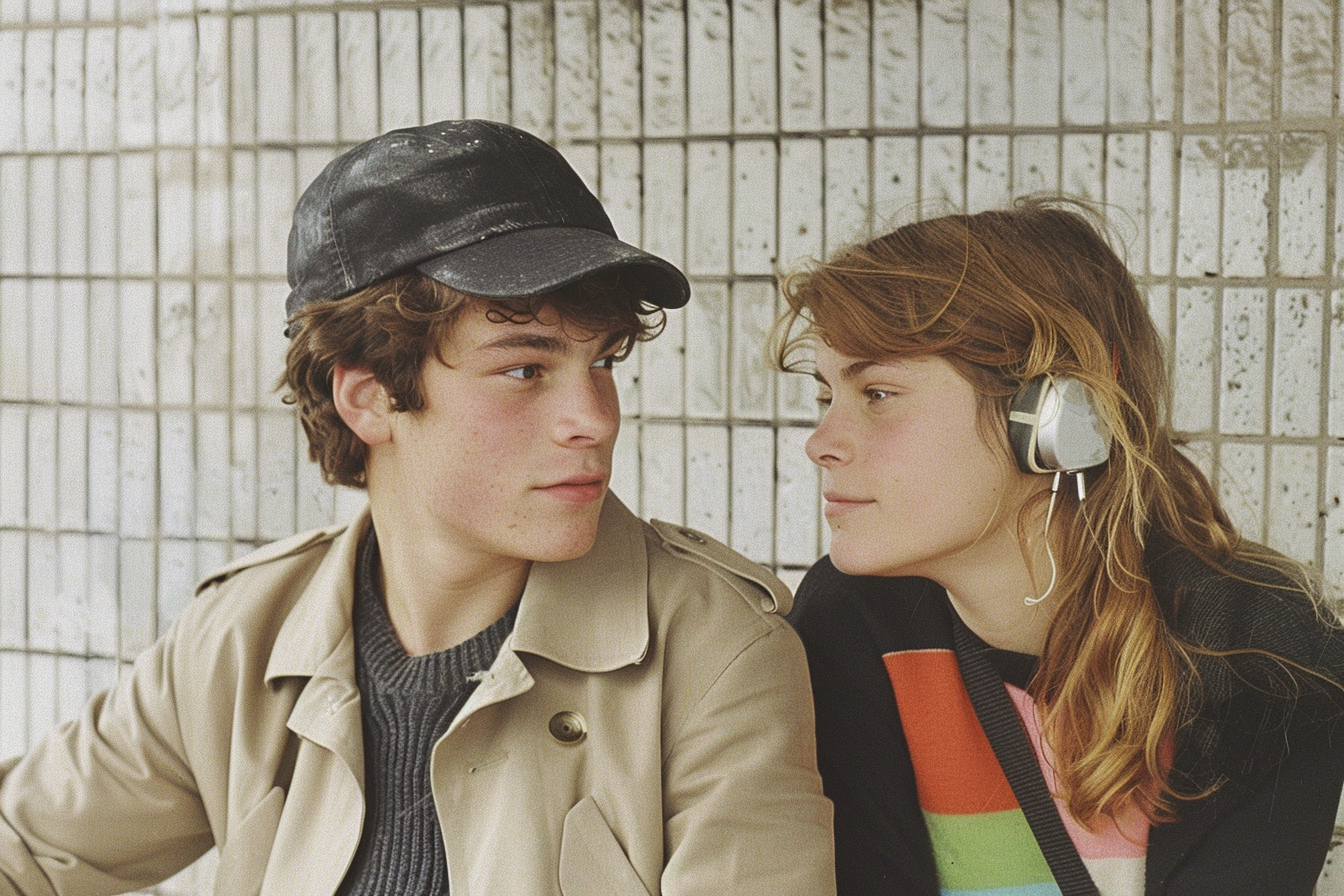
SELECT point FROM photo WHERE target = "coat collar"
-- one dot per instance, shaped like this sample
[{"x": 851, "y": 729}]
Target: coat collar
[
  {"x": 590, "y": 614},
  {"x": 317, "y": 631}
]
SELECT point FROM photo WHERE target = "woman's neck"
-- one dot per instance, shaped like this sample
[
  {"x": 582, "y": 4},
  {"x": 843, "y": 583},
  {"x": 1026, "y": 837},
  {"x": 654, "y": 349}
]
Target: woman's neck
[
  {"x": 1007, "y": 594},
  {"x": 1004, "y": 619}
]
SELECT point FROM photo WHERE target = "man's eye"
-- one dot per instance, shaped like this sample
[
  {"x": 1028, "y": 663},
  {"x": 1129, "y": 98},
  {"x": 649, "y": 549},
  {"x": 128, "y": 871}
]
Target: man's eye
[
  {"x": 606, "y": 363},
  {"x": 878, "y": 394},
  {"x": 824, "y": 401},
  {"x": 526, "y": 372}
]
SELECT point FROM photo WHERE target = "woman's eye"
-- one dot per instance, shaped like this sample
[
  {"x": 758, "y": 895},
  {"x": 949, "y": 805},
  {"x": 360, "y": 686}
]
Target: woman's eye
[
  {"x": 526, "y": 372},
  {"x": 823, "y": 401},
  {"x": 606, "y": 363},
  {"x": 878, "y": 394}
]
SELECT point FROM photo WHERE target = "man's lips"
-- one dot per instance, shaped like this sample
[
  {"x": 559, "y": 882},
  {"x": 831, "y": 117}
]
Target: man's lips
[{"x": 578, "y": 489}]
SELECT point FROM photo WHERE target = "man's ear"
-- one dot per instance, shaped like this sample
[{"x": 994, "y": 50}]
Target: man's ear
[{"x": 363, "y": 403}]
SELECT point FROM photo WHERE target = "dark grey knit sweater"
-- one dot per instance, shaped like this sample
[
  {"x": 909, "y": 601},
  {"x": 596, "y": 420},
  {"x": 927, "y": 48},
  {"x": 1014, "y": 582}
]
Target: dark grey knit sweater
[{"x": 407, "y": 704}]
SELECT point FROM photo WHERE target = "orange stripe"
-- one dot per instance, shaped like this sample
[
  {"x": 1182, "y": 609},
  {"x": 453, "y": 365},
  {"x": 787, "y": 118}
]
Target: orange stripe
[{"x": 955, "y": 768}]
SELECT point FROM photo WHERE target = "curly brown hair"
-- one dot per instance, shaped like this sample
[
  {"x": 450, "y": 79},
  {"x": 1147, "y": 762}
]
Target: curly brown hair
[{"x": 392, "y": 328}]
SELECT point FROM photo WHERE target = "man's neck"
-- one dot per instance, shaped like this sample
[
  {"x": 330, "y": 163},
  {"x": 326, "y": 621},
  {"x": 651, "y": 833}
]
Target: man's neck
[{"x": 437, "y": 595}]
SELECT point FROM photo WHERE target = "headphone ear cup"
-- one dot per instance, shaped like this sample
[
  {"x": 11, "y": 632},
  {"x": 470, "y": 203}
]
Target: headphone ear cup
[
  {"x": 1053, "y": 426},
  {"x": 1024, "y": 415}
]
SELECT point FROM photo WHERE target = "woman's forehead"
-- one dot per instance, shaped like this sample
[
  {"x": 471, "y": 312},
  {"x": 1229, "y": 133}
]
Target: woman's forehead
[{"x": 832, "y": 362}]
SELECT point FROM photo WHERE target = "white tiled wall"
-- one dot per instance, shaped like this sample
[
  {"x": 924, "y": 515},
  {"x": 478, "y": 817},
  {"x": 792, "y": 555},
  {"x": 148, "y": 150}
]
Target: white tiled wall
[{"x": 150, "y": 156}]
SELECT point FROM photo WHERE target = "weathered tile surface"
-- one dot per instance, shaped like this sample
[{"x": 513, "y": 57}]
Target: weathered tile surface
[{"x": 153, "y": 149}]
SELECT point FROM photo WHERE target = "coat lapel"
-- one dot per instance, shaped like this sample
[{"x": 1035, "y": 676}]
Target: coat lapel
[{"x": 320, "y": 827}]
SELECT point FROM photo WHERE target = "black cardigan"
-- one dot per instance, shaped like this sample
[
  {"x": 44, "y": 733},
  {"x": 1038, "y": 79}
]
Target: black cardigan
[{"x": 1271, "y": 738}]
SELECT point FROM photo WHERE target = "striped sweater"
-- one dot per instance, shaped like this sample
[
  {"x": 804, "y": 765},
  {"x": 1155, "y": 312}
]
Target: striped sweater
[
  {"x": 1275, "y": 740},
  {"x": 981, "y": 841}
]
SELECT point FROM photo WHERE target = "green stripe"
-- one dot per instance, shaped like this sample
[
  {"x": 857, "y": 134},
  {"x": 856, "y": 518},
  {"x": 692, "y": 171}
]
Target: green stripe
[{"x": 986, "y": 850}]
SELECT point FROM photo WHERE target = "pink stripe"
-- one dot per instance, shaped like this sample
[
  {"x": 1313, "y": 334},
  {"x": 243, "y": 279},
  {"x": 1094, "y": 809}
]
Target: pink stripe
[{"x": 1125, "y": 837}]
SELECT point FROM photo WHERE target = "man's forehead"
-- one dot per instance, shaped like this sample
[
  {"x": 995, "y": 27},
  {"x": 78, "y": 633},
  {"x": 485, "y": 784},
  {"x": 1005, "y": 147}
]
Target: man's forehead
[
  {"x": 490, "y": 328},
  {"x": 545, "y": 342}
]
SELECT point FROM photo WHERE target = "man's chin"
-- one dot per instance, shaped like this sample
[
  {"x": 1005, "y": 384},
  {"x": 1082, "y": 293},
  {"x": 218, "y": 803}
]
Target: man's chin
[{"x": 570, "y": 544}]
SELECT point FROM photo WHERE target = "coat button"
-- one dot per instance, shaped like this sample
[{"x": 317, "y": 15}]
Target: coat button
[
  {"x": 692, "y": 535},
  {"x": 568, "y": 727}
]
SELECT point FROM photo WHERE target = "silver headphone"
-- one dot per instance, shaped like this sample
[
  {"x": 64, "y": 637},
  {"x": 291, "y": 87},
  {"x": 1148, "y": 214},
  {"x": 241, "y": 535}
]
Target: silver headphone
[{"x": 1054, "y": 428}]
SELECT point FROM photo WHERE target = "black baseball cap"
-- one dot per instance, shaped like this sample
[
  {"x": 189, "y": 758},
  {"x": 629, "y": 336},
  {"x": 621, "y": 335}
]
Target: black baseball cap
[{"x": 483, "y": 207}]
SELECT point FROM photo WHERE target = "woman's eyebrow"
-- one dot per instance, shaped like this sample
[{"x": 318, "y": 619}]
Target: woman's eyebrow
[
  {"x": 852, "y": 370},
  {"x": 848, "y": 372}
]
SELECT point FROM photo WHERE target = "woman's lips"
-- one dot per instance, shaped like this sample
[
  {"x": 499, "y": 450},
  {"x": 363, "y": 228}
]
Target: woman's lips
[{"x": 839, "y": 505}]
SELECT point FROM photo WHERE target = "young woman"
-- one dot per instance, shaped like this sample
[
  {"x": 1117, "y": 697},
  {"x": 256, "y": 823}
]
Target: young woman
[{"x": 1043, "y": 659}]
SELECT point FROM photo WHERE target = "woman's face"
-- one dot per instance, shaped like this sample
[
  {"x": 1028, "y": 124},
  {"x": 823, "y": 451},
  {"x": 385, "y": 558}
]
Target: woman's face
[{"x": 911, "y": 485}]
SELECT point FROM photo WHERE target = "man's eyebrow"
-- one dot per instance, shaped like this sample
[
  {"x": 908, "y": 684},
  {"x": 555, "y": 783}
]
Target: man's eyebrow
[
  {"x": 542, "y": 342},
  {"x": 539, "y": 341}
]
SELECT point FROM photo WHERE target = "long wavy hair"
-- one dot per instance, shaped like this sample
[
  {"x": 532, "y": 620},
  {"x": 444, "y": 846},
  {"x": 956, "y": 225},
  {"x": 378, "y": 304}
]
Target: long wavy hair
[{"x": 1006, "y": 296}]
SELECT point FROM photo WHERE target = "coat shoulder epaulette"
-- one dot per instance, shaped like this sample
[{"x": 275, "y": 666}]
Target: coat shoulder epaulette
[
  {"x": 276, "y": 550},
  {"x": 710, "y": 552}
]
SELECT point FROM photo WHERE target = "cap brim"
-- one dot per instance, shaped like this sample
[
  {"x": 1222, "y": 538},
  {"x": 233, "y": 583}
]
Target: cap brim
[{"x": 532, "y": 262}]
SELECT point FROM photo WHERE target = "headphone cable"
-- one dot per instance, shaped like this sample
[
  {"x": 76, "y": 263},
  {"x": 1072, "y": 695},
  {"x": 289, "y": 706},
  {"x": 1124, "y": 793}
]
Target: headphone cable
[{"x": 1050, "y": 554}]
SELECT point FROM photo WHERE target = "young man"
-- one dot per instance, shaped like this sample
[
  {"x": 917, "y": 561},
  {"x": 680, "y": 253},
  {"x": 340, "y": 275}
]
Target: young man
[{"x": 496, "y": 680}]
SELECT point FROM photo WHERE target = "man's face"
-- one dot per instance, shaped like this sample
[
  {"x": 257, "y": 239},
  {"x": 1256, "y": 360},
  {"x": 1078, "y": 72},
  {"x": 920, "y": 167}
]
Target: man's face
[{"x": 509, "y": 459}]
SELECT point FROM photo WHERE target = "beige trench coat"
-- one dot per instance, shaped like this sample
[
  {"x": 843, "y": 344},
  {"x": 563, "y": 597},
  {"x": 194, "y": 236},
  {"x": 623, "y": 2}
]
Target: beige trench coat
[{"x": 647, "y": 728}]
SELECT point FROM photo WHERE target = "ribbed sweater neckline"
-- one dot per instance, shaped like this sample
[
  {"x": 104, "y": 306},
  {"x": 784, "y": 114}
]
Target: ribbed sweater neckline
[{"x": 384, "y": 659}]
